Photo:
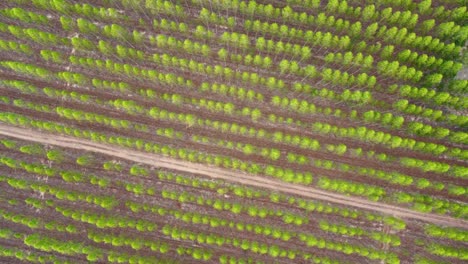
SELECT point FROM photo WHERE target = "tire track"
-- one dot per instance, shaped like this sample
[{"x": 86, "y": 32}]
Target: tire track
[{"x": 228, "y": 175}]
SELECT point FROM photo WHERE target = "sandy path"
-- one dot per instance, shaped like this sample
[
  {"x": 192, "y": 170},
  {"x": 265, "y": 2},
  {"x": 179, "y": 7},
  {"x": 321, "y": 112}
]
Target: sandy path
[{"x": 229, "y": 175}]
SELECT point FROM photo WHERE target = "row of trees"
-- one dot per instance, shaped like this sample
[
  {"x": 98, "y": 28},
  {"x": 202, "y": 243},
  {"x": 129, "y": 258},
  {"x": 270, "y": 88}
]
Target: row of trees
[
  {"x": 196, "y": 253},
  {"x": 446, "y": 232},
  {"x": 356, "y": 96},
  {"x": 135, "y": 243},
  {"x": 41, "y": 37},
  {"x": 13, "y": 46},
  {"x": 157, "y": 7},
  {"x": 341, "y": 229},
  {"x": 394, "y": 70},
  {"x": 22, "y": 86},
  {"x": 386, "y": 119},
  {"x": 448, "y": 68},
  {"x": 257, "y": 60},
  {"x": 422, "y": 129},
  {"x": 55, "y": 155},
  {"x": 316, "y": 206},
  {"x": 93, "y": 12},
  {"x": 68, "y": 247},
  {"x": 343, "y": 186},
  {"x": 210, "y": 239},
  {"x": 346, "y": 230},
  {"x": 84, "y": 9},
  {"x": 404, "y": 106},
  {"x": 368, "y": 13},
  {"x": 25, "y": 16},
  {"x": 112, "y": 31},
  {"x": 129, "y": 71},
  {"x": 169, "y": 25},
  {"x": 192, "y": 47},
  {"x": 27, "y": 69},
  {"x": 200, "y": 32},
  {"x": 447, "y": 251},
  {"x": 313, "y": 241},
  {"x": 247, "y": 149},
  {"x": 317, "y": 38},
  {"x": 119, "y": 257},
  {"x": 432, "y": 96},
  {"x": 93, "y": 118},
  {"x": 240, "y": 93},
  {"x": 379, "y": 137},
  {"x": 345, "y": 79},
  {"x": 210, "y": 18},
  {"x": 349, "y": 58},
  {"x": 235, "y": 40},
  {"x": 107, "y": 220},
  {"x": 26, "y": 255},
  {"x": 35, "y": 168},
  {"x": 31, "y": 106},
  {"x": 34, "y": 149},
  {"x": 279, "y": 47},
  {"x": 425, "y": 165},
  {"x": 227, "y": 259},
  {"x": 426, "y": 203},
  {"x": 29, "y": 221},
  {"x": 27, "y": 88}
]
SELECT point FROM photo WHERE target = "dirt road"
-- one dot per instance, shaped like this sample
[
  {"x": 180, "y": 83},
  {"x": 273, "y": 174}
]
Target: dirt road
[{"x": 228, "y": 175}]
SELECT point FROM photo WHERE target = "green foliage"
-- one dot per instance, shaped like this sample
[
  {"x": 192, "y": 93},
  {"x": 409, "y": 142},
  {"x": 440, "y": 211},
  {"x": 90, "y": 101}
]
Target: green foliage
[
  {"x": 342, "y": 186},
  {"x": 447, "y": 251},
  {"x": 25, "y": 16},
  {"x": 10, "y": 144},
  {"x": 64, "y": 247},
  {"x": 85, "y": 160},
  {"x": 56, "y": 155},
  {"x": 34, "y": 149},
  {"x": 15, "y": 47},
  {"x": 446, "y": 232}
]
